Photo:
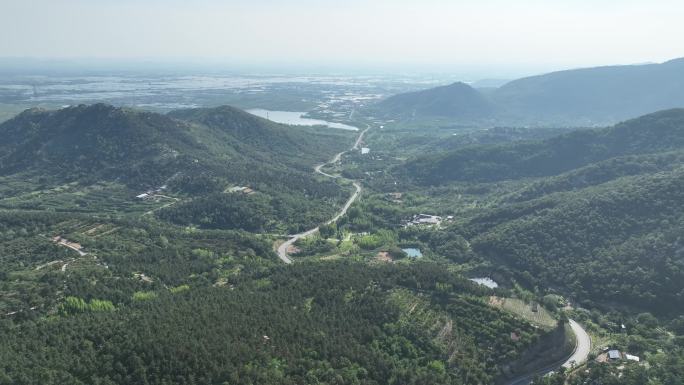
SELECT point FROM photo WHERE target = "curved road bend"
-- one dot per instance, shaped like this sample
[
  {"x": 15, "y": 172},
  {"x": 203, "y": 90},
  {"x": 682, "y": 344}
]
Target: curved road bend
[
  {"x": 579, "y": 356},
  {"x": 282, "y": 249}
]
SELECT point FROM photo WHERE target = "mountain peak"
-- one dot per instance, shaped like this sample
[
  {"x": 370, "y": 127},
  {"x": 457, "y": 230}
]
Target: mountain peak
[
  {"x": 92, "y": 139},
  {"x": 456, "y": 100},
  {"x": 677, "y": 61}
]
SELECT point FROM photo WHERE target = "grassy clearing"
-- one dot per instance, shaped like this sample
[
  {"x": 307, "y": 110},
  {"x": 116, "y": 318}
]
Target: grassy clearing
[{"x": 541, "y": 317}]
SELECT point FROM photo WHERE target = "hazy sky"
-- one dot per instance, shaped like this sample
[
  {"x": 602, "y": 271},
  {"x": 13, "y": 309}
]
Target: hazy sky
[{"x": 490, "y": 35}]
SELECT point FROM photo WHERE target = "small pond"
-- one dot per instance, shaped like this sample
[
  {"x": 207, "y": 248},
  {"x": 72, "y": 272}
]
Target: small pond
[{"x": 413, "y": 252}]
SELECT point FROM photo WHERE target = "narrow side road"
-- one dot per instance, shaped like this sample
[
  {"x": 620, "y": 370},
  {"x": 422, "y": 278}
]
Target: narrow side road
[{"x": 282, "y": 249}]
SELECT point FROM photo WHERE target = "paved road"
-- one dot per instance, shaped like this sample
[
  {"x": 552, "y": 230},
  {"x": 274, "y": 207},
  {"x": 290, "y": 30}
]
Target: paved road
[
  {"x": 579, "y": 356},
  {"x": 582, "y": 348},
  {"x": 282, "y": 249}
]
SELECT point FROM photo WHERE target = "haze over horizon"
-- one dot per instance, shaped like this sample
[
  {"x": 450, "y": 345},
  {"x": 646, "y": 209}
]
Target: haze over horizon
[{"x": 478, "y": 38}]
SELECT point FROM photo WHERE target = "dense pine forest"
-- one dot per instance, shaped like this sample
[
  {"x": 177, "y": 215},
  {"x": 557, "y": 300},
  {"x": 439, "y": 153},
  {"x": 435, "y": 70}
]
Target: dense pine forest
[
  {"x": 110, "y": 155},
  {"x": 341, "y": 192},
  {"x": 312, "y": 323},
  {"x": 184, "y": 286},
  {"x": 596, "y": 211}
]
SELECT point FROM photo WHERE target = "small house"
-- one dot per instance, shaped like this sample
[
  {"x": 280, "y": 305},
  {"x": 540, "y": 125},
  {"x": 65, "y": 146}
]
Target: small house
[
  {"x": 614, "y": 354},
  {"x": 632, "y": 358}
]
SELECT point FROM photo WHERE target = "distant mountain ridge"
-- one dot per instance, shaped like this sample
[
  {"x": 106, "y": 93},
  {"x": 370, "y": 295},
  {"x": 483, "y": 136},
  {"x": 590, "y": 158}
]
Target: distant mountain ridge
[
  {"x": 579, "y": 97},
  {"x": 658, "y": 132},
  {"x": 457, "y": 100},
  {"x": 597, "y": 212},
  {"x": 601, "y": 94}
]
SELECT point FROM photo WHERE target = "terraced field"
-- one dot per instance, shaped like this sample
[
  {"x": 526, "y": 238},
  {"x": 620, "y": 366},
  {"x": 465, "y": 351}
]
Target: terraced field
[{"x": 530, "y": 312}]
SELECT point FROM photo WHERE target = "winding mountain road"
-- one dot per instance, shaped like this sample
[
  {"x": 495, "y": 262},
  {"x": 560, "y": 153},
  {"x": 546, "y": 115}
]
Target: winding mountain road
[
  {"x": 578, "y": 357},
  {"x": 582, "y": 348},
  {"x": 282, "y": 249},
  {"x": 583, "y": 341}
]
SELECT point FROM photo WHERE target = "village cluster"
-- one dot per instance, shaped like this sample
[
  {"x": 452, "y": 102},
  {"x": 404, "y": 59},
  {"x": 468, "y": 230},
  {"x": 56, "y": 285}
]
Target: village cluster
[{"x": 427, "y": 220}]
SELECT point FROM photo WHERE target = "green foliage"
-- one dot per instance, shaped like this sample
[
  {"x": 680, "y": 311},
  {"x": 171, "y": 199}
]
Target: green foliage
[
  {"x": 369, "y": 242},
  {"x": 456, "y": 101},
  {"x": 328, "y": 231},
  {"x": 658, "y": 132},
  {"x": 75, "y": 305},
  {"x": 144, "y": 295},
  {"x": 396, "y": 252},
  {"x": 179, "y": 289},
  {"x": 314, "y": 245},
  {"x": 574, "y": 98},
  {"x": 301, "y": 328},
  {"x": 595, "y": 211},
  {"x": 618, "y": 242},
  {"x": 195, "y": 158}
]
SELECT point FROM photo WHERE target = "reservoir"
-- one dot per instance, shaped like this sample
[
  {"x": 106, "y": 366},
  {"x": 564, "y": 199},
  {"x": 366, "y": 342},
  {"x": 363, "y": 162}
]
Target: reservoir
[{"x": 297, "y": 119}]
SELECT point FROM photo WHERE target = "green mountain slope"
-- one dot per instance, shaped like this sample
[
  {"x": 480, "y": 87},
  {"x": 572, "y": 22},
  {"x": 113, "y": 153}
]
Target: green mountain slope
[
  {"x": 658, "y": 132},
  {"x": 127, "y": 152},
  {"x": 596, "y": 214},
  {"x": 595, "y": 95},
  {"x": 261, "y": 139},
  {"x": 580, "y": 97},
  {"x": 308, "y": 323},
  {"x": 618, "y": 242},
  {"x": 457, "y": 100},
  {"x": 97, "y": 141}
]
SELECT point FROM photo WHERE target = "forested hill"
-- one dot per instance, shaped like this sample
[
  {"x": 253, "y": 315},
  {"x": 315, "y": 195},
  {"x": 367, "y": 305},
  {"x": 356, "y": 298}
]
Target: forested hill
[
  {"x": 616, "y": 242},
  {"x": 198, "y": 159},
  {"x": 658, "y": 132},
  {"x": 97, "y": 141},
  {"x": 102, "y": 141},
  {"x": 457, "y": 100},
  {"x": 296, "y": 145},
  {"x": 596, "y": 95},
  {"x": 595, "y": 214},
  {"x": 332, "y": 323},
  {"x": 579, "y": 97}
]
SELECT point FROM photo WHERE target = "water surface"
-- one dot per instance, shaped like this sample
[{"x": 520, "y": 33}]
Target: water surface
[
  {"x": 297, "y": 119},
  {"x": 413, "y": 252}
]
